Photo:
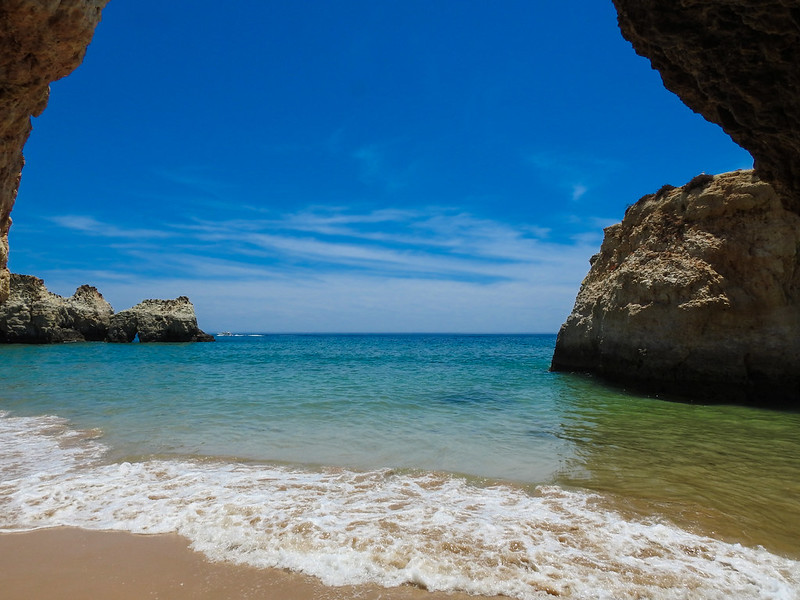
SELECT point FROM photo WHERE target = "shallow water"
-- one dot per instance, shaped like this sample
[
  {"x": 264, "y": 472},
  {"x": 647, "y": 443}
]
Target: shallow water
[{"x": 452, "y": 462}]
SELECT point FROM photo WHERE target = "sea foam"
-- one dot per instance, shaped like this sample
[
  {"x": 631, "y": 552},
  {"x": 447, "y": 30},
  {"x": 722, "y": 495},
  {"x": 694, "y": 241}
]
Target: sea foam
[{"x": 391, "y": 528}]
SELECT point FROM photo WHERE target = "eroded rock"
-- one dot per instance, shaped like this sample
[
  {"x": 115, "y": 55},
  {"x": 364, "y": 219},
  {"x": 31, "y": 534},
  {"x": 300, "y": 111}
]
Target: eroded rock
[
  {"x": 40, "y": 41},
  {"x": 737, "y": 63},
  {"x": 158, "y": 321},
  {"x": 34, "y": 315},
  {"x": 696, "y": 293}
]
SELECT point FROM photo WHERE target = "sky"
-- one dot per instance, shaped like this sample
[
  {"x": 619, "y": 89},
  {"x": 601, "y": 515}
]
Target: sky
[{"x": 350, "y": 166}]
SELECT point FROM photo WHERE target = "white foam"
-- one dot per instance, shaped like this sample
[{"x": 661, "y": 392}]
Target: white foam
[{"x": 384, "y": 527}]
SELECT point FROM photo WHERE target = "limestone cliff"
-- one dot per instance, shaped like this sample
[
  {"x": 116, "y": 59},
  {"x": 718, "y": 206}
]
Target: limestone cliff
[
  {"x": 34, "y": 315},
  {"x": 40, "y": 41},
  {"x": 695, "y": 292},
  {"x": 736, "y": 62}
]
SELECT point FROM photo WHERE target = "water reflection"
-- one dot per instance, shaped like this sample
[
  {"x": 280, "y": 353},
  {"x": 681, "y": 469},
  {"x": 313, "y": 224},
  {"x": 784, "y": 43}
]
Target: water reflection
[{"x": 728, "y": 470}]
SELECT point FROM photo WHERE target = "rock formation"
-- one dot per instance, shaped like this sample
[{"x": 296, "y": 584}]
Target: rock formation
[
  {"x": 696, "y": 293},
  {"x": 34, "y": 315},
  {"x": 737, "y": 63},
  {"x": 40, "y": 41},
  {"x": 158, "y": 321}
]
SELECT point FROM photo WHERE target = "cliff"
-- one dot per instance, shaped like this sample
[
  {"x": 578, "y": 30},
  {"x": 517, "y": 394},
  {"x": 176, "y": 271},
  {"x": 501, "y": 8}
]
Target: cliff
[
  {"x": 34, "y": 315},
  {"x": 737, "y": 63},
  {"x": 695, "y": 293},
  {"x": 40, "y": 41}
]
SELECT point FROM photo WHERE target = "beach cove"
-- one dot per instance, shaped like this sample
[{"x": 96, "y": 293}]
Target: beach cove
[{"x": 444, "y": 463}]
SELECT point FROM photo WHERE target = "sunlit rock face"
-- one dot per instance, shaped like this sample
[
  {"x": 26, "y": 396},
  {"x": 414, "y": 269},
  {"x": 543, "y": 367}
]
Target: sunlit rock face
[
  {"x": 737, "y": 63},
  {"x": 158, "y": 321},
  {"x": 695, "y": 293},
  {"x": 40, "y": 41},
  {"x": 34, "y": 315}
]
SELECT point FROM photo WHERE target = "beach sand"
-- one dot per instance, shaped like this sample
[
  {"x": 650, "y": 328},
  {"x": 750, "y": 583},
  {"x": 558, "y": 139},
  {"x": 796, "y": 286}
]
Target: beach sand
[{"x": 76, "y": 564}]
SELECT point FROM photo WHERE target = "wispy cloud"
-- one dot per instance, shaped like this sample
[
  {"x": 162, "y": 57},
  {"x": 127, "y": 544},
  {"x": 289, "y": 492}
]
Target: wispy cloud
[
  {"x": 91, "y": 226},
  {"x": 578, "y": 190},
  {"x": 432, "y": 269},
  {"x": 575, "y": 173}
]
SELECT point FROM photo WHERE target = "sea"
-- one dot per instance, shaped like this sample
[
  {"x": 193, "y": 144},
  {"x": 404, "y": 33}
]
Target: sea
[{"x": 448, "y": 462}]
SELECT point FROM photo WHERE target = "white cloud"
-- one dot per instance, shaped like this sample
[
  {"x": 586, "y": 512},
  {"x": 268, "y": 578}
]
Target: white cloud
[
  {"x": 324, "y": 269},
  {"x": 578, "y": 190},
  {"x": 349, "y": 303},
  {"x": 91, "y": 226}
]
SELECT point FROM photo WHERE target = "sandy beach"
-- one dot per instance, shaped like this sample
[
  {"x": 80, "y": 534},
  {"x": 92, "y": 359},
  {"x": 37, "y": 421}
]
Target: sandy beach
[{"x": 78, "y": 564}]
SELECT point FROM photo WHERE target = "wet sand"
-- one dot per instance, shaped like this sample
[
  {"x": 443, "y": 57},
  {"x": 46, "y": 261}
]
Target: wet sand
[{"x": 76, "y": 564}]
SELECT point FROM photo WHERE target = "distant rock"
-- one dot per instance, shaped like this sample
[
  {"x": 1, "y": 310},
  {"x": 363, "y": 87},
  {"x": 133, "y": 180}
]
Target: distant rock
[
  {"x": 696, "y": 293},
  {"x": 158, "y": 321},
  {"x": 34, "y": 315}
]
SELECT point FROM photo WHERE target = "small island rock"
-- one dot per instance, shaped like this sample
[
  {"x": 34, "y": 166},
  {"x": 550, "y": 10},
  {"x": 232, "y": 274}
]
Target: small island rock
[
  {"x": 34, "y": 315},
  {"x": 158, "y": 321}
]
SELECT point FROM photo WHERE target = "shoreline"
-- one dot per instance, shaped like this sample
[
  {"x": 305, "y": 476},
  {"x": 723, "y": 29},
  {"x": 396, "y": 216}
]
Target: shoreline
[{"x": 66, "y": 562}]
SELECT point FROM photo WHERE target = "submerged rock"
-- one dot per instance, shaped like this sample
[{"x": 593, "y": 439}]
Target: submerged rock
[
  {"x": 695, "y": 293},
  {"x": 34, "y": 315},
  {"x": 158, "y": 321}
]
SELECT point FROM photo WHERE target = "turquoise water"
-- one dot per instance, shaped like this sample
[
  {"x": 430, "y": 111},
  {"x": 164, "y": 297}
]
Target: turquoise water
[
  {"x": 480, "y": 405},
  {"x": 466, "y": 421}
]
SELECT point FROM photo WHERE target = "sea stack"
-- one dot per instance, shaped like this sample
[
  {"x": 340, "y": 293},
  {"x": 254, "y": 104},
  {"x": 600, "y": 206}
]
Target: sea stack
[
  {"x": 34, "y": 315},
  {"x": 158, "y": 321},
  {"x": 40, "y": 42}
]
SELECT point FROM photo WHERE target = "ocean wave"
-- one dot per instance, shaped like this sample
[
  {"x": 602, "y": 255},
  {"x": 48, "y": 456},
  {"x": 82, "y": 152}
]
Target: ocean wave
[{"x": 433, "y": 530}]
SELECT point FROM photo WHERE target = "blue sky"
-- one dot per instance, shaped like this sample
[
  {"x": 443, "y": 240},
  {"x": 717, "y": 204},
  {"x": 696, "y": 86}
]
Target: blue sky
[{"x": 354, "y": 166}]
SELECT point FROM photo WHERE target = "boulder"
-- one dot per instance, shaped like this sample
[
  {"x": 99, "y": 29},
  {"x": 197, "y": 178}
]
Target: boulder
[{"x": 695, "y": 293}]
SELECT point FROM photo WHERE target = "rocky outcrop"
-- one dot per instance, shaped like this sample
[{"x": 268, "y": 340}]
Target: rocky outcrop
[
  {"x": 34, "y": 315},
  {"x": 737, "y": 63},
  {"x": 40, "y": 41},
  {"x": 696, "y": 293},
  {"x": 158, "y": 321}
]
